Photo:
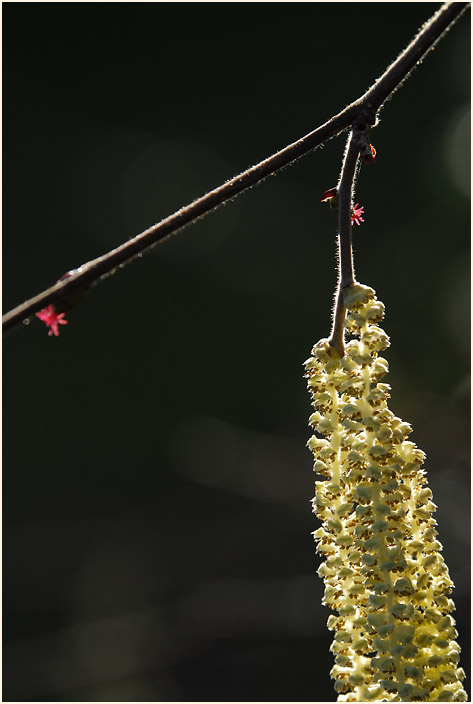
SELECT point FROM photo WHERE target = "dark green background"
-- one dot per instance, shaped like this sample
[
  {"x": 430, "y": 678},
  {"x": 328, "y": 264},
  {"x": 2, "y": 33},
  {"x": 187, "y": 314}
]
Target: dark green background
[{"x": 157, "y": 520}]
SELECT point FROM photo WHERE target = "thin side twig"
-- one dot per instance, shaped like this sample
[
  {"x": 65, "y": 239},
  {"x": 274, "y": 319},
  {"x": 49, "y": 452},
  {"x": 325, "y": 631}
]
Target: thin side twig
[{"x": 361, "y": 113}]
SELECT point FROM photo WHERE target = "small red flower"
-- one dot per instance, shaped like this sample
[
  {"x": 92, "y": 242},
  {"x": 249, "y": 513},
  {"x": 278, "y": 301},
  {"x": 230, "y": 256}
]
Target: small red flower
[
  {"x": 52, "y": 319},
  {"x": 356, "y": 214}
]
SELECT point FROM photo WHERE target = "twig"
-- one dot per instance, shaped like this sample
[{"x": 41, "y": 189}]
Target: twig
[
  {"x": 346, "y": 274},
  {"x": 362, "y": 112}
]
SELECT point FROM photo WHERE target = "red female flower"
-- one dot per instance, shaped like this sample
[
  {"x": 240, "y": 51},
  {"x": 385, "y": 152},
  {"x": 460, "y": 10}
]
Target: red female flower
[
  {"x": 356, "y": 214},
  {"x": 52, "y": 319}
]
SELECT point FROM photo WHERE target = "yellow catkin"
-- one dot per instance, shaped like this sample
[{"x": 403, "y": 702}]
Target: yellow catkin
[{"x": 385, "y": 577}]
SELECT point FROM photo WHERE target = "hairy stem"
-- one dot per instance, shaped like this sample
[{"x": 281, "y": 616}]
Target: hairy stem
[
  {"x": 346, "y": 274},
  {"x": 361, "y": 113}
]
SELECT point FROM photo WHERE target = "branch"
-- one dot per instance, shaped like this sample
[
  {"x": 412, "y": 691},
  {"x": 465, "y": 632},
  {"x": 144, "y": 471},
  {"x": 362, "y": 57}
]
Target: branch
[
  {"x": 361, "y": 113},
  {"x": 346, "y": 274}
]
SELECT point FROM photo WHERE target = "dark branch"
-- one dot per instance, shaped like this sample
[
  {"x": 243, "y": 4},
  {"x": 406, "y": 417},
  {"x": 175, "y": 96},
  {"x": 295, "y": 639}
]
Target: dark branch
[
  {"x": 426, "y": 39},
  {"x": 360, "y": 113}
]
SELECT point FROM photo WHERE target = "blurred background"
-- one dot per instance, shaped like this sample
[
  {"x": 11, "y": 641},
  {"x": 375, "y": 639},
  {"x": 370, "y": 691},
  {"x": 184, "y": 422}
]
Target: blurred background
[{"x": 157, "y": 521}]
